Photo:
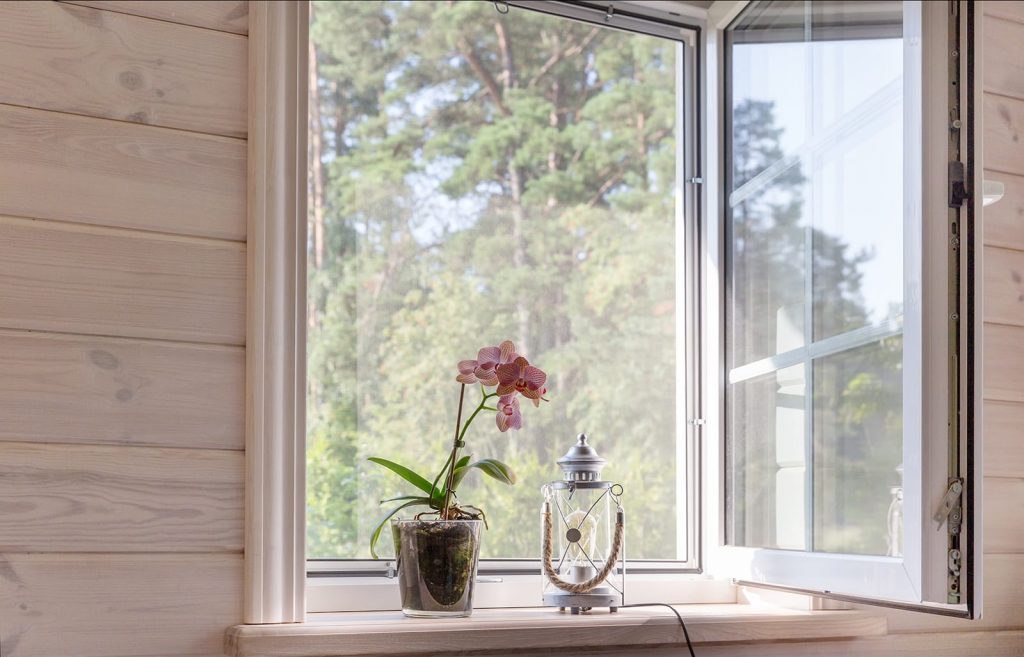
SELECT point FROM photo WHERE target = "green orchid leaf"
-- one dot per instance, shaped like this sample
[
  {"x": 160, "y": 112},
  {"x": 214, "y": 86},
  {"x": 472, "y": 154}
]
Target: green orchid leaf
[
  {"x": 496, "y": 469},
  {"x": 407, "y": 474},
  {"x": 424, "y": 501},
  {"x": 460, "y": 471}
]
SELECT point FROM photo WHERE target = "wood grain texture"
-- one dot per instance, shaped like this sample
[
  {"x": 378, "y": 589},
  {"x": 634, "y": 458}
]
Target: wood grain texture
[
  {"x": 1003, "y": 362},
  {"x": 66, "y": 278},
  {"x": 1004, "y": 125},
  {"x": 117, "y": 605},
  {"x": 1003, "y": 68},
  {"x": 1004, "y": 516},
  {"x": 1004, "y": 286},
  {"x": 82, "y": 60},
  {"x": 961, "y": 644},
  {"x": 72, "y": 168},
  {"x": 1006, "y": 9},
  {"x": 388, "y": 633},
  {"x": 84, "y": 498},
  {"x": 1004, "y": 440},
  {"x": 68, "y": 389},
  {"x": 1004, "y": 221},
  {"x": 224, "y": 15}
]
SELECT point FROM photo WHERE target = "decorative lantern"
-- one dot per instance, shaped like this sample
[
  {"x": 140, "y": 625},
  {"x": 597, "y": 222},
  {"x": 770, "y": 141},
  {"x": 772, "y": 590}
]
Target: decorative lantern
[{"x": 582, "y": 535}]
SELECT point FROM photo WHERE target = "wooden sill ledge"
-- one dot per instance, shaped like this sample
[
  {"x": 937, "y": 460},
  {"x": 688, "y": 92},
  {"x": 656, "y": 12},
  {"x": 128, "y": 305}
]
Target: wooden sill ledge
[{"x": 367, "y": 634}]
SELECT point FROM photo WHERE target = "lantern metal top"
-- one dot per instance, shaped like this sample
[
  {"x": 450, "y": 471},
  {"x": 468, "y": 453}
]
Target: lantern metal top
[{"x": 581, "y": 462}]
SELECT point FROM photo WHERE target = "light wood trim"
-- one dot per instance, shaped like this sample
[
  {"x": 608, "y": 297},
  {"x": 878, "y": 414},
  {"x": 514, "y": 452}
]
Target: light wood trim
[
  {"x": 1011, "y": 10},
  {"x": 74, "y": 279},
  {"x": 1004, "y": 440},
  {"x": 225, "y": 15},
  {"x": 369, "y": 634},
  {"x": 1004, "y": 362},
  {"x": 1004, "y": 503},
  {"x": 84, "y": 498},
  {"x": 81, "y": 60},
  {"x": 961, "y": 644},
  {"x": 1004, "y": 286},
  {"x": 74, "y": 389},
  {"x": 1004, "y": 220},
  {"x": 129, "y": 604},
  {"x": 1004, "y": 65},
  {"x": 276, "y": 342},
  {"x": 1004, "y": 133},
  {"x": 93, "y": 171}
]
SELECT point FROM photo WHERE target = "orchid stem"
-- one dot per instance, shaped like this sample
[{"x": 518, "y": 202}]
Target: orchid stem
[{"x": 454, "y": 456}]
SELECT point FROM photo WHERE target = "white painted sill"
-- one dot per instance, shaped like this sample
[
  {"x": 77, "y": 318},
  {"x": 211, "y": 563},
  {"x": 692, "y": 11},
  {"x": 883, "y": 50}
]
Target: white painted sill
[{"x": 368, "y": 634}]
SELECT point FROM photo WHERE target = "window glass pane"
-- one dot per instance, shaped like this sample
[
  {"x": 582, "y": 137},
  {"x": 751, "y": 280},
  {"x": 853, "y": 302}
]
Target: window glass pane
[
  {"x": 858, "y": 448},
  {"x": 477, "y": 176},
  {"x": 768, "y": 456},
  {"x": 815, "y": 243}
]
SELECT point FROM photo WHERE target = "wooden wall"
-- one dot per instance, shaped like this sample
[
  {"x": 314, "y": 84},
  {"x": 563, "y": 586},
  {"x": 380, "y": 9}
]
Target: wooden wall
[{"x": 122, "y": 326}]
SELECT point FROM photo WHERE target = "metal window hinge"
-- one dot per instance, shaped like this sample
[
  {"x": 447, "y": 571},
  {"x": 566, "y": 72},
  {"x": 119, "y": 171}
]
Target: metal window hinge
[
  {"x": 949, "y": 508},
  {"x": 695, "y": 181},
  {"x": 698, "y": 422}
]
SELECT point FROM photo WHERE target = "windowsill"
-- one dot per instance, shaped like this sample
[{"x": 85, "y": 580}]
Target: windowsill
[{"x": 387, "y": 633}]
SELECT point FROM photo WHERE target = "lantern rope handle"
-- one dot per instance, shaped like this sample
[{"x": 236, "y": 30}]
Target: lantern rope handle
[{"x": 593, "y": 582}]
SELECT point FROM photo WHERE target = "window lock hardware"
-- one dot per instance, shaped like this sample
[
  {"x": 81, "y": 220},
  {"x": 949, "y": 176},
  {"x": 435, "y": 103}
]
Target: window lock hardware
[
  {"x": 697, "y": 421},
  {"x": 391, "y": 573},
  {"x": 949, "y": 503},
  {"x": 957, "y": 188},
  {"x": 696, "y": 180}
]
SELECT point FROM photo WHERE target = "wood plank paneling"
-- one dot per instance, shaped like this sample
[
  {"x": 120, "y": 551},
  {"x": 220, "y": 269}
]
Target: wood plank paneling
[
  {"x": 1007, "y": 9},
  {"x": 1004, "y": 440},
  {"x": 61, "y": 277},
  {"x": 1004, "y": 362},
  {"x": 225, "y": 15},
  {"x": 117, "y": 605},
  {"x": 1004, "y": 511},
  {"x": 1004, "y": 286},
  {"x": 1004, "y": 57},
  {"x": 72, "y": 168},
  {"x": 1004, "y": 221},
  {"x": 85, "y": 498},
  {"x": 1004, "y": 125},
  {"x": 68, "y": 389},
  {"x": 99, "y": 63}
]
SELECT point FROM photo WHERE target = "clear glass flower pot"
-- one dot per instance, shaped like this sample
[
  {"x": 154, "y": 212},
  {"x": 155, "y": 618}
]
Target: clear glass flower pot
[{"x": 437, "y": 561}]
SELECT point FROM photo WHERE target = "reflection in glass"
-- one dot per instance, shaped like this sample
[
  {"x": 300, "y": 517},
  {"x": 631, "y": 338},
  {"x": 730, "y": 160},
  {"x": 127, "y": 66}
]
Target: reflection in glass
[
  {"x": 767, "y": 456},
  {"x": 814, "y": 275},
  {"x": 858, "y": 447}
]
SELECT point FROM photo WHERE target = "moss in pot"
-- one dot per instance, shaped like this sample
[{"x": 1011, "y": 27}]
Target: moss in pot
[{"x": 438, "y": 549}]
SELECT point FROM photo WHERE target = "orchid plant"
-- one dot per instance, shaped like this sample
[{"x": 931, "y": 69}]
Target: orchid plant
[{"x": 501, "y": 373}]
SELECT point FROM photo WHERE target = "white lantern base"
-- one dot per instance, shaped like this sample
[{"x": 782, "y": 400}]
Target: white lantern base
[{"x": 602, "y": 596}]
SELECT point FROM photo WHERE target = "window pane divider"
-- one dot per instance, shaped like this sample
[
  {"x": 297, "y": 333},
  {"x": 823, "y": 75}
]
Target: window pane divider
[{"x": 831, "y": 345}]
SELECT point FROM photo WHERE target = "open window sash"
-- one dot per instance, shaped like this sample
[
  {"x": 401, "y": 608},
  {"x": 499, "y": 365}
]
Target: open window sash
[{"x": 938, "y": 567}]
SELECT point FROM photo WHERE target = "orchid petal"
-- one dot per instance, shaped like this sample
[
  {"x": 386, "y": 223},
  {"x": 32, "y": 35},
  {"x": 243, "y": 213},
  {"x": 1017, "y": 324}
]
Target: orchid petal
[
  {"x": 507, "y": 351},
  {"x": 489, "y": 355},
  {"x": 467, "y": 366},
  {"x": 502, "y": 421},
  {"x": 468, "y": 379},
  {"x": 534, "y": 377},
  {"x": 508, "y": 373}
]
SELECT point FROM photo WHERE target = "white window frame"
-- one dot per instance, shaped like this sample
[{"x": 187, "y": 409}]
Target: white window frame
[
  {"x": 361, "y": 584},
  {"x": 275, "y": 563},
  {"x": 916, "y": 580}
]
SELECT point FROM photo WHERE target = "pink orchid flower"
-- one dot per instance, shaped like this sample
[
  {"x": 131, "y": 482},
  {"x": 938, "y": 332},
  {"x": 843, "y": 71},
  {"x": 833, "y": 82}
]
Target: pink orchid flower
[
  {"x": 519, "y": 376},
  {"x": 508, "y": 415},
  {"x": 482, "y": 369}
]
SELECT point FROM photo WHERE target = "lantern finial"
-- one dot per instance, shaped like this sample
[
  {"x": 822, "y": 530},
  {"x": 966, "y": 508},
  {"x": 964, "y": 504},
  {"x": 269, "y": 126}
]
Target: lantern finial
[{"x": 581, "y": 462}]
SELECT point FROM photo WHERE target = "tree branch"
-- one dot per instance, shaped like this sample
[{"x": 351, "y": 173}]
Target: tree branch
[
  {"x": 473, "y": 59},
  {"x": 559, "y": 55}
]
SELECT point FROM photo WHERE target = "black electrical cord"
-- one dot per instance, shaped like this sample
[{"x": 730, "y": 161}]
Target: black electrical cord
[{"x": 674, "y": 611}]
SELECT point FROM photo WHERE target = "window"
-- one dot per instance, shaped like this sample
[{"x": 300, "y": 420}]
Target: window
[
  {"x": 844, "y": 361},
  {"x": 481, "y": 172}
]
